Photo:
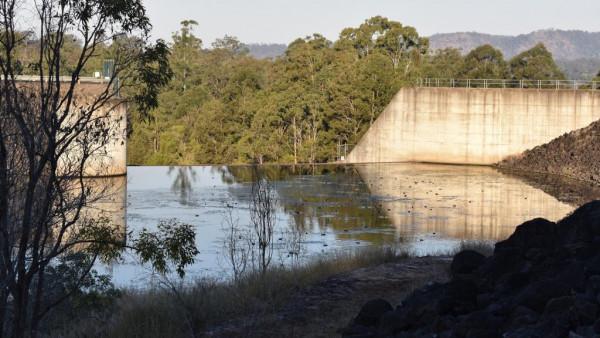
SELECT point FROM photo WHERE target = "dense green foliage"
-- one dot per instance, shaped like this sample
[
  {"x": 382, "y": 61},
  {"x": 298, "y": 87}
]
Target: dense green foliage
[
  {"x": 484, "y": 62},
  {"x": 535, "y": 64},
  {"x": 225, "y": 106}
]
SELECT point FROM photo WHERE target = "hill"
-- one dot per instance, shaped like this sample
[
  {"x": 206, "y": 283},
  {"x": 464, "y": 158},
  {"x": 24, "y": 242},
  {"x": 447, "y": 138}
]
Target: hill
[
  {"x": 564, "y": 45},
  {"x": 266, "y": 50},
  {"x": 577, "y": 52}
]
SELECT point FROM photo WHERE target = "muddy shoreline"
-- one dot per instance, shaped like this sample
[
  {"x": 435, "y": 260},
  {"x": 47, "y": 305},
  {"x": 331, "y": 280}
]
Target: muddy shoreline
[{"x": 322, "y": 309}]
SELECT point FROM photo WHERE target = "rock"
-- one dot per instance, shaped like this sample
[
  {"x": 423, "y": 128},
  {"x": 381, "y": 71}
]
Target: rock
[
  {"x": 371, "y": 312},
  {"x": 596, "y": 326},
  {"x": 358, "y": 331},
  {"x": 543, "y": 281},
  {"x": 536, "y": 295},
  {"x": 521, "y": 317},
  {"x": 484, "y": 323},
  {"x": 466, "y": 262},
  {"x": 537, "y": 233}
]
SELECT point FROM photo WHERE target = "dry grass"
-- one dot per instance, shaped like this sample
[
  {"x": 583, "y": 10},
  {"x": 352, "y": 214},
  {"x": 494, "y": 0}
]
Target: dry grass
[
  {"x": 188, "y": 311},
  {"x": 485, "y": 248}
]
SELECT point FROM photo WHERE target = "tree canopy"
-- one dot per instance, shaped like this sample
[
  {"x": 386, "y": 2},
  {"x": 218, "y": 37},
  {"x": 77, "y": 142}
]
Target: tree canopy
[
  {"x": 484, "y": 62},
  {"x": 224, "y": 106},
  {"x": 536, "y": 63}
]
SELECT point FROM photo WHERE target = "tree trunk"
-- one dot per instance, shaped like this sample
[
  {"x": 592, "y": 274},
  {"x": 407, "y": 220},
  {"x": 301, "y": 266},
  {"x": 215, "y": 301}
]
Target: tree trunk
[{"x": 295, "y": 142}]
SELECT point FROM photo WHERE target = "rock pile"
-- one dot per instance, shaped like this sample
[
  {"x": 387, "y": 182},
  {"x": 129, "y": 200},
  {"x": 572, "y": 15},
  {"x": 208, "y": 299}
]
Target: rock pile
[
  {"x": 575, "y": 154},
  {"x": 543, "y": 281}
]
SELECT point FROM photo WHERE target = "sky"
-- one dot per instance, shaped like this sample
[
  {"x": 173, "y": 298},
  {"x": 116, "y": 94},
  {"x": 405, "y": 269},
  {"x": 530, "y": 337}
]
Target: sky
[{"x": 282, "y": 21}]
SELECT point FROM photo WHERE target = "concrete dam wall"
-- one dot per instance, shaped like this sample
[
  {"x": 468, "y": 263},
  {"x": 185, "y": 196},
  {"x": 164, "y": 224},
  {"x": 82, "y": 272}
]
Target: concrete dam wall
[
  {"x": 110, "y": 158},
  {"x": 472, "y": 125}
]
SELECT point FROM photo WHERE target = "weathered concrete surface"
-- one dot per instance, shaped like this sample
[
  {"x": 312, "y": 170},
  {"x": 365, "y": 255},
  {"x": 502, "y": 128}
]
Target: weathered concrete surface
[
  {"x": 472, "y": 126},
  {"x": 109, "y": 159}
]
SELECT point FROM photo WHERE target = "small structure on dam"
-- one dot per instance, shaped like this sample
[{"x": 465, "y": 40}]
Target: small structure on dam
[{"x": 477, "y": 122}]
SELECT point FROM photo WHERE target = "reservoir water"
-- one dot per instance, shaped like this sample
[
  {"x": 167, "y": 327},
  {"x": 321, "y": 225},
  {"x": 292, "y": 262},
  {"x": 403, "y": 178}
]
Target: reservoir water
[{"x": 422, "y": 208}]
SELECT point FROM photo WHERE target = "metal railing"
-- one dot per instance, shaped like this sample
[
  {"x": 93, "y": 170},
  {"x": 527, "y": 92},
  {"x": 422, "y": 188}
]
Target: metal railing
[
  {"x": 62, "y": 78},
  {"x": 503, "y": 83}
]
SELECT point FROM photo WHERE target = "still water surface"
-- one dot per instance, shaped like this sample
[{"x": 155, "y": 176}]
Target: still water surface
[{"x": 427, "y": 209}]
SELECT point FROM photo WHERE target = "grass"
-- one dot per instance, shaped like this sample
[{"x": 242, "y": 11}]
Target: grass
[
  {"x": 485, "y": 248},
  {"x": 187, "y": 311}
]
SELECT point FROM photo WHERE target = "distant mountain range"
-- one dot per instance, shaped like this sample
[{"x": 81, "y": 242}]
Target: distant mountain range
[
  {"x": 266, "y": 50},
  {"x": 576, "y": 52},
  {"x": 564, "y": 45}
]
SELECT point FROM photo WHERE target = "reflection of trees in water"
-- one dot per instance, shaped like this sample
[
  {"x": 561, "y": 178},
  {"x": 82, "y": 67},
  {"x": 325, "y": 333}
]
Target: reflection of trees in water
[
  {"x": 184, "y": 177},
  {"x": 323, "y": 196}
]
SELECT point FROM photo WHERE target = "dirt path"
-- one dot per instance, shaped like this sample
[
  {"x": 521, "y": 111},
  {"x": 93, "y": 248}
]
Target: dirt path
[{"x": 321, "y": 309}]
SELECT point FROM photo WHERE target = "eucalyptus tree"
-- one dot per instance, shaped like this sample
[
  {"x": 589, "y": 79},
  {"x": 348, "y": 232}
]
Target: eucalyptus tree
[
  {"x": 49, "y": 135},
  {"x": 484, "y": 62},
  {"x": 401, "y": 44},
  {"x": 443, "y": 63},
  {"x": 536, "y": 63}
]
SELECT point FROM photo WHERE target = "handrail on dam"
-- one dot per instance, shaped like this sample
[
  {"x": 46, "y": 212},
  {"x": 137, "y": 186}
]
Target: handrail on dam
[
  {"x": 504, "y": 83},
  {"x": 62, "y": 78}
]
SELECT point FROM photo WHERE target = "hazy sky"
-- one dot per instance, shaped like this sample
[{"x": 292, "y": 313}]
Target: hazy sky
[{"x": 286, "y": 20}]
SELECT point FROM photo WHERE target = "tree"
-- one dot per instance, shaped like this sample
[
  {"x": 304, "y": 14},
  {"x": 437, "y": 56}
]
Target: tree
[
  {"x": 186, "y": 47},
  {"x": 536, "y": 63},
  {"x": 49, "y": 135},
  {"x": 263, "y": 218},
  {"x": 398, "y": 42},
  {"x": 484, "y": 62},
  {"x": 444, "y": 63},
  {"x": 231, "y": 45},
  {"x": 296, "y": 108}
]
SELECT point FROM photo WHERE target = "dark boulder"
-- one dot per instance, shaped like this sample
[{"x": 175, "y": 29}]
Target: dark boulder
[
  {"x": 371, "y": 312},
  {"x": 536, "y": 295},
  {"x": 543, "y": 281},
  {"x": 537, "y": 233},
  {"x": 466, "y": 262}
]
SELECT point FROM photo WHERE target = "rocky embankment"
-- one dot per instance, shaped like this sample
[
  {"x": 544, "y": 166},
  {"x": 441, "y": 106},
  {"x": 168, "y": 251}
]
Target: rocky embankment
[
  {"x": 543, "y": 281},
  {"x": 575, "y": 155}
]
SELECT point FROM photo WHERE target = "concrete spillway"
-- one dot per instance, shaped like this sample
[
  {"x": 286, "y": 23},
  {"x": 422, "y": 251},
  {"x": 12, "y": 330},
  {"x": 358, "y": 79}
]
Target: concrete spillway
[
  {"x": 108, "y": 159},
  {"x": 472, "y": 125}
]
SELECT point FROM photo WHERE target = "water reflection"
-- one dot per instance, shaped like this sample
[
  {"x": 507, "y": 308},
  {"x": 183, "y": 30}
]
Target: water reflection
[
  {"x": 109, "y": 196},
  {"x": 182, "y": 183},
  {"x": 429, "y": 208},
  {"x": 460, "y": 202}
]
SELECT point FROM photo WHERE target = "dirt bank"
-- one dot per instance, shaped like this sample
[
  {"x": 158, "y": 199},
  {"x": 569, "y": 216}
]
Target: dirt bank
[
  {"x": 575, "y": 155},
  {"x": 321, "y": 309}
]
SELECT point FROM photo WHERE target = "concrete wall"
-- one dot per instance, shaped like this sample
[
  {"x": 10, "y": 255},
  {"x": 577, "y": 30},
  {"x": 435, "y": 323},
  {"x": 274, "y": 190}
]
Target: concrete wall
[
  {"x": 111, "y": 159},
  {"x": 472, "y": 126}
]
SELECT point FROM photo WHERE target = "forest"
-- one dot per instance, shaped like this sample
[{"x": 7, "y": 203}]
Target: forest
[{"x": 223, "y": 105}]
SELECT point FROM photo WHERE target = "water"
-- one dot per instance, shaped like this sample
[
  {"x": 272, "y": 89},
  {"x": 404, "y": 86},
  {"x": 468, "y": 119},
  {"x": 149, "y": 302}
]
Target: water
[{"x": 427, "y": 209}]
